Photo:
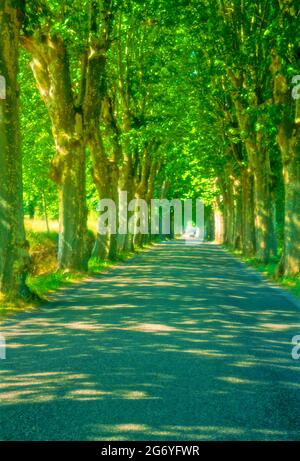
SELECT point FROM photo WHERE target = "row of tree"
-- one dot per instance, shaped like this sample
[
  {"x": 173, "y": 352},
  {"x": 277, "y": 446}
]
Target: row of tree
[
  {"x": 95, "y": 64},
  {"x": 248, "y": 56},
  {"x": 176, "y": 99},
  {"x": 238, "y": 141}
]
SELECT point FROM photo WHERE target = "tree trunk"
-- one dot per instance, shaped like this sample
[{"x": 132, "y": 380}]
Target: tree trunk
[
  {"x": 105, "y": 174},
  {"x": 248, "y": 224},
  {"x": 263, "y": 200},
  {"x": 101, "y": 130},
  {"x": 237, "y": 223},
  {"x": 218, "y": 222},
  {"x": 227, "y": 192},
  {"x": 288, "y": 139},
  {"x": 73, "y": 253},
  {"x": 50, "y": 66},
  {"x": 289, "y": 142},
  {"x": 259, "y": 164},
  {"x": 14, "y": 257},
  {"x": 126, "y": 184}
]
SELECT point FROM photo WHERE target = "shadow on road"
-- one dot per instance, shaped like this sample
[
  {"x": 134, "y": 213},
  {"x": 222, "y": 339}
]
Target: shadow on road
[{"x": 181, "y": 343}]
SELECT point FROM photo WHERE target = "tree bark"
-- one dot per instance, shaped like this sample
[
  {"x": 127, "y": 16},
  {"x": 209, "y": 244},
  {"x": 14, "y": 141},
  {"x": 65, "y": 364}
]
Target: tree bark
[
  {"x": 218, "y": 222},
  {"x": 50, "y": 66},
  {"x": 259, "y": 164},
  {"x": 248, "y": 224},
  {"x": 229, "y": 212},
  {"x": 126, "y": 184},
  {"x": 264, "y": 216},
  {"x": 14, "y": 256},
  {"x": 237, "y": 207},
  {"x": 288, "y": 139},
  {"x": 289, "y": 142},
  {"x": 106, "y": 177},
  {"x": 101, "y": 131}
]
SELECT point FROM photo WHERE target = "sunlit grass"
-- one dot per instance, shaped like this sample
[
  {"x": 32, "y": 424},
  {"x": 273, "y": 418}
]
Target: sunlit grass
[
  {"x": 50, "y": 282},
  {"x": 43, "y": 284},
  {"x": 45, "y": 277},
  {"x": 9, "y": 308},
  {"x": 292, "y": 284},
  {"x": 40, "y": 226}
]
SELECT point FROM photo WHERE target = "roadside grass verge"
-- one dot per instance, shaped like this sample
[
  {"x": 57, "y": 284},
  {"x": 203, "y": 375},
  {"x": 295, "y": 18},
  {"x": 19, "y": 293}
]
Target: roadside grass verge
[
  {"x": 49, "y": 282},
  {"x": 45, "y": 278},
  {"x": 291, "y": 284}
]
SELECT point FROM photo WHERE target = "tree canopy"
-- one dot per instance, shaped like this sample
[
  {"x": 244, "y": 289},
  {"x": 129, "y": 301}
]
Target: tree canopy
[{"x": 163, "y": 99}]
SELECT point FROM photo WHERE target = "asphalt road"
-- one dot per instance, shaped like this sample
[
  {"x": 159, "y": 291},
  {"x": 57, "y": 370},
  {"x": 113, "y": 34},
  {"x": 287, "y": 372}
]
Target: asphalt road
[{"x": 181, "y": 343}]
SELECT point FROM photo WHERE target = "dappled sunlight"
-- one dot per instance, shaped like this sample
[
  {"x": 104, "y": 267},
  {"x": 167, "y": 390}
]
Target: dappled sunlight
[
  {"x": 279, "y": 327},
  {"x": 131, "y": 431},
  {"x": 244, "y": 364},
  {"x": 83, "y": 326},
  {"x": 147, "y": 352},
  {"x": 78, "y": 393},
  {"x": 32, "y": 387},
  {"x": 235, "y": 380},
  {"x": 206, "y": 353},
  {"x": 130, "y": 427},
  {"x": 152, "y": 328}
]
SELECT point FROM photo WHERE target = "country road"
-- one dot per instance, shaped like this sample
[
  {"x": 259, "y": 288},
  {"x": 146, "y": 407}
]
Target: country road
[{"x": 183, "y": 342}]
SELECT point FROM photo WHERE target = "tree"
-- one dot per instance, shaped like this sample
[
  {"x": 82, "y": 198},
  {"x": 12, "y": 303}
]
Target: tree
[
  {"x": 51, "y": 68},
  {"x": 284, "y": 67},
  {"x": 14, "y": 257}
]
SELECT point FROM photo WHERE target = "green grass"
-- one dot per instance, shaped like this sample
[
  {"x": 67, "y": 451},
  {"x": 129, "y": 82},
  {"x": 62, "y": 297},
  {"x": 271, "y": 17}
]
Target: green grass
[
  {"x": 291, "y": 284},
  {"x": 35, "y": 237},
  {"x": 45, "y": 278},
  {"x": 43, "y": 284},
  {"x": 49, "y": 282}
]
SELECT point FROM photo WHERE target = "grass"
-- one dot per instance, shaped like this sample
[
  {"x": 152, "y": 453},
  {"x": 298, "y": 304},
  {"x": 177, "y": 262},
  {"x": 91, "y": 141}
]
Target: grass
[
  {"x": 47, "y": 283},
  {"x": 9, "y": 308},
  {"x": 44, "y": 277},
  {"x": 291, "y": 284},
  {"x": 51, "y": 281}
]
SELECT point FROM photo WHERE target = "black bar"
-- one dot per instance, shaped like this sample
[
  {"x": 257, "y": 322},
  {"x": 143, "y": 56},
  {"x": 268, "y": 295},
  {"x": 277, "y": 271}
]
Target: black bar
[{"x": 143, "y": 450}]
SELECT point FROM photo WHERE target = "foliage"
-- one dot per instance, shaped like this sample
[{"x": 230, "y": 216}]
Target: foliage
[{"x": 178, "y": 99}]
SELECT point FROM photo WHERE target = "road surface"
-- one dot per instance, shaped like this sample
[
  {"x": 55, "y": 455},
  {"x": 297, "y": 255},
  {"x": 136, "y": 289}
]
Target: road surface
[{"x": 183, "y": 342}]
